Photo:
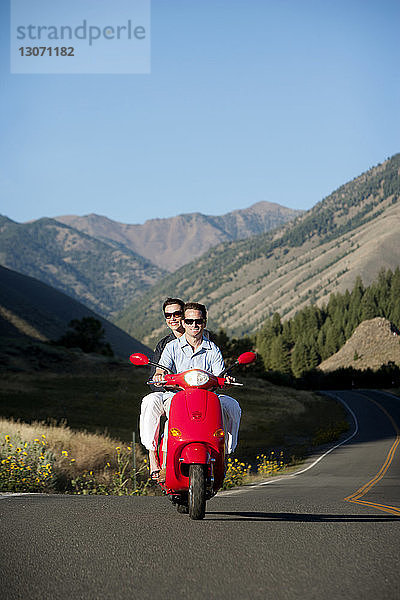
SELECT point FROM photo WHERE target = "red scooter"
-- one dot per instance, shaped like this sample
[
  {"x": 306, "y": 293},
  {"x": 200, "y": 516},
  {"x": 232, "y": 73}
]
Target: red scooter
[{"x": 195, "y": 465}]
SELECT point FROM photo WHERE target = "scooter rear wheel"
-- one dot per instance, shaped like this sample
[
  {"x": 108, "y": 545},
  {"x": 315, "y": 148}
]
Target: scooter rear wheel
[{"x": 197, "y": 492}]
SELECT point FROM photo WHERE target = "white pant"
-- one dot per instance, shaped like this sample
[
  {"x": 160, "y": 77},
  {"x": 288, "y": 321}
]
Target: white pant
[{"x": 156, "y": 404}]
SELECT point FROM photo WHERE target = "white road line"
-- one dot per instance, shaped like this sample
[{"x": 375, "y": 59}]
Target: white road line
[
  {"x": 13, "y": 494},
  {"x": 315, "y": 462},
  {"x": 391, "y": 396}
]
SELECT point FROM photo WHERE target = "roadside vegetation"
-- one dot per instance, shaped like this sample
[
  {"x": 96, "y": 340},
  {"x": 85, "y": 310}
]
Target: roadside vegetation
[
  {"x": 64, "y": 461},
  {"x": 69, "y": 429},
  {"x": 69, "y": 417},
  {"x": 54, "y": 459}
]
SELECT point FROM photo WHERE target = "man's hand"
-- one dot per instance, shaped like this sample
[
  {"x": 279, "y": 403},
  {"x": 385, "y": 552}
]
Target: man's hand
[{"x": 158, "y": 378}]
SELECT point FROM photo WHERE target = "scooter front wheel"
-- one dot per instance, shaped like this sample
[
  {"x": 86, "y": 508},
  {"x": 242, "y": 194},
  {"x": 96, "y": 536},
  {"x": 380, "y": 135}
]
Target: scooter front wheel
[{"x": 197, "y": 492}]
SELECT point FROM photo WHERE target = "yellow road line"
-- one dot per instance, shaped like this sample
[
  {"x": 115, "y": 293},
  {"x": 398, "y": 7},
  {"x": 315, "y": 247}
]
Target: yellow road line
[
  {"x": 355, "y": 497},
  {"x": 393, "y": 510}
]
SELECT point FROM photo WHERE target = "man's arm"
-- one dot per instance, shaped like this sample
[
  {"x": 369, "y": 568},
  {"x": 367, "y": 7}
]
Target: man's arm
[
  {"x": 166, "y": 359},
  {"x": 218, "y": 364}
]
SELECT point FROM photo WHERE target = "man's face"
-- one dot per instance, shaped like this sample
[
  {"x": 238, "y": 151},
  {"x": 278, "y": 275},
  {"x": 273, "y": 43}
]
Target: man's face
[
  {"x": 174, "y": 316},
  {"x": 196, "y": 324}
]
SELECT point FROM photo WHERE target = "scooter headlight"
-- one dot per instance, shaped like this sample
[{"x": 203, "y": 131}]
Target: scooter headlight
[{"x": 196, "y": 378}]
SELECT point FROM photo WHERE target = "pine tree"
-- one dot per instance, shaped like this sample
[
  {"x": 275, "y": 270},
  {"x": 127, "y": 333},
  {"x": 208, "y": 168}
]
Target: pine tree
[
  {"x": 280, "y": 356},
  {"x": 369, "y": 307},
  {"x": 276, "y": 323},
  {"x": 313, "y": 357},
  {"x": 394, "y": 302},
  {"x": 299, "y": 359},
  {"x": 314, "y": 334},
  {"x": 355, "y": 302},
  {"x": 264, "y": 341},
  {"x": 332, "y": 343}
]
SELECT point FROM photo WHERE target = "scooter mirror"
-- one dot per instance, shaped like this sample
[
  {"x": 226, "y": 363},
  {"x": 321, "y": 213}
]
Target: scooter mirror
[
  {"x": 246, "y": 358},
  {"x": 140, "y": 360}
]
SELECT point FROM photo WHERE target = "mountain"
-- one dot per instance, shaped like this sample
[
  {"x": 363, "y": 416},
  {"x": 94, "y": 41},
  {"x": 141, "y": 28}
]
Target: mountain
[
  {"x": 354, "y": 231},
  {"x": 171, "y": 243},
  {"x": 33, "y": 309},
  {"x": 374, "y": 343},
  {"x": 103, "y": 277}
]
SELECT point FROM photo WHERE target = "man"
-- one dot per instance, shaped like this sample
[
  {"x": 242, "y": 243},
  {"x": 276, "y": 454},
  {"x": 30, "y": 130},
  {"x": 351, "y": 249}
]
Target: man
[
  {"x": 194, "y": 351},
  {"x": 152, "y": 407},
  {"x": 173, "y": 314}
]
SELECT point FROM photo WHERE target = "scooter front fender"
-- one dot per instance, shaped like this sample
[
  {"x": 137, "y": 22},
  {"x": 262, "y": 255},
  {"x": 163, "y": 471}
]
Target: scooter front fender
[{"x": 195, "y": 454}]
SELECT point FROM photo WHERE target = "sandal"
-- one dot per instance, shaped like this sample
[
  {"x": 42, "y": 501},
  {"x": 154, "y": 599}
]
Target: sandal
[
  {"x": 161, "y": 475},
  {"x": 154, "y": 475}
]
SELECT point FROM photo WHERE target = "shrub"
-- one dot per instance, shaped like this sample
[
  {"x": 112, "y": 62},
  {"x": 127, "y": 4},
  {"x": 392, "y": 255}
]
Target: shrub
[
  {"x": 67, "y": 461},
  {"x": 26, "y": 466}
]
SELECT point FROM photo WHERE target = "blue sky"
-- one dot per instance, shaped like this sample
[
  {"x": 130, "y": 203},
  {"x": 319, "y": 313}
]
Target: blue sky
[{"x": 247, "y": 100}]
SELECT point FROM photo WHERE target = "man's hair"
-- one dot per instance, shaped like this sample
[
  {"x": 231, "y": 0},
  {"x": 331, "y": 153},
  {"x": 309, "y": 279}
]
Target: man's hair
[
  {"x": 173, "y": 301},
  {"x": 196, "y": 306}
]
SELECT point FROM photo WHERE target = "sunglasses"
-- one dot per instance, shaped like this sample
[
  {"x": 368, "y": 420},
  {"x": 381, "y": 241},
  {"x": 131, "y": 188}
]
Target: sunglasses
[
  {"x": 194, "y": 321},
  {"x": 177, "y": 313}
]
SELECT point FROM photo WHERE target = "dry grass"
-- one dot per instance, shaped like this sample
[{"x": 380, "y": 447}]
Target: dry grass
[
  {"x": 74, "y": 452},
  {"x": 279, "y": 418}
]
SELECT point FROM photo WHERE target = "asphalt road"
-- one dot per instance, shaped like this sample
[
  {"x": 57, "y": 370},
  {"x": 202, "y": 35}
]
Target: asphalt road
[{"x": 294, "y": 538}]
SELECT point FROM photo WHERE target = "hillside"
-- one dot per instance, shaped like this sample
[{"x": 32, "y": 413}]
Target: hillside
[
  {"x": 171, "y": 243},
  {"x": 354, "y": 231},
  {"x": 32, "y": 309},
  {"x": 105, "y": 278},
  {"x": 374, "y": 343}
]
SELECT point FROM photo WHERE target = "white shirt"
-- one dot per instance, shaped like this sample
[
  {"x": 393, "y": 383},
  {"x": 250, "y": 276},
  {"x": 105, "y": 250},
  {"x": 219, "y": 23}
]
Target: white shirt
[{"x": 178, "y": 356}]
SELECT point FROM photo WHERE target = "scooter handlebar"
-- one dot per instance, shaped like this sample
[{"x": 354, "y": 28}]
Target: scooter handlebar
[
  {"x": 164, "y": 382},
  {"x": 161, "y": 383}
]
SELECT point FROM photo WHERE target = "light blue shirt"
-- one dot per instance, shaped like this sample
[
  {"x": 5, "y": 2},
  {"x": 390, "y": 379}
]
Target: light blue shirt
[{"x": 179, "y": 356}]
